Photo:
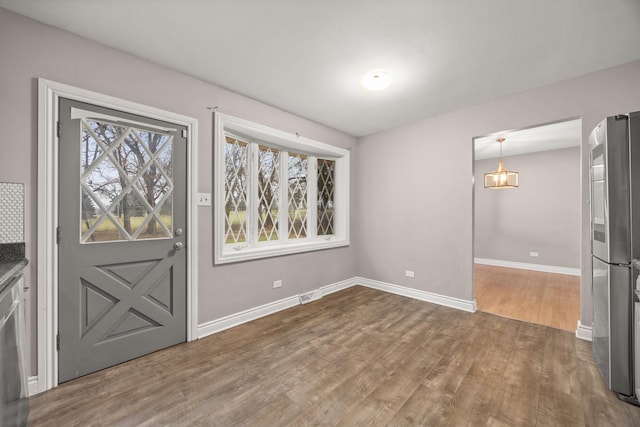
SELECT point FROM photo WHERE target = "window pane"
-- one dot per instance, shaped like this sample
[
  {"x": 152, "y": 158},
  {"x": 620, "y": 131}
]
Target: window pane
[
  {"x": 326, "y": 170},
  {"x": 236, "y": 173},
  {"x": 298, "y": 167},
  {"x": 268, "y": 193},
  {"x": 126, "y": 183}
]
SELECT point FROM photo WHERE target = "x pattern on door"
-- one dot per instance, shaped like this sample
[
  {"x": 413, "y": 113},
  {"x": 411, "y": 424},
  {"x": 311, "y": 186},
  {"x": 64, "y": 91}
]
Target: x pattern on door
[{"x": 105, "y": 286}]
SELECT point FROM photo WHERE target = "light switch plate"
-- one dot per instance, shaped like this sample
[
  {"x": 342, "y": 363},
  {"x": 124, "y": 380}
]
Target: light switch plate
[{"x": 204, "y": 199}]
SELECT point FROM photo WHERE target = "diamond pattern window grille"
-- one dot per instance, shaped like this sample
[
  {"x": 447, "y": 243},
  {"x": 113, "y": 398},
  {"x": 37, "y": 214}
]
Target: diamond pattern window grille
[
  {"x": 236, "y": 185},
  {"x": 126, "y": 183},
  {"x": 298, "y": 171},
  {"x": 326, "y": 187},
  {"x": 276, "y": 193},
  {"x": 268, "y": 193}
]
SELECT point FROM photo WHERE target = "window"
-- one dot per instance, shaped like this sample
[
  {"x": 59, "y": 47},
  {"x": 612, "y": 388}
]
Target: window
[
  {"x": 126, "y": 182},
  {"x": 276, "y": 193}
]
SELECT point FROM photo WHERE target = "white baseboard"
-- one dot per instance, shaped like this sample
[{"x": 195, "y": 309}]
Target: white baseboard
[
  {"x": 32, "y": 385},
  {"x": 218, "y": 325},
  {"x": 338, "y": 286},
  {"x": 526, "y": 266},
  {"x": 457, "y": 303},
  {"x": 584, "y": 332}
]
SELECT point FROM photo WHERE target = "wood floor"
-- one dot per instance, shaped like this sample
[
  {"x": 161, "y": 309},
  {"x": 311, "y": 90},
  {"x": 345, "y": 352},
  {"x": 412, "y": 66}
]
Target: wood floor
[
  {"x": 544, "y": 298},
  {"x": 359, "y": 356}
]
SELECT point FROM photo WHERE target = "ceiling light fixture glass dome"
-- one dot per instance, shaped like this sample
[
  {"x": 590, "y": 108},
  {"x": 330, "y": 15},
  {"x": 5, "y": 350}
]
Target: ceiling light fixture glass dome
[{"x": 376, "y": 80}]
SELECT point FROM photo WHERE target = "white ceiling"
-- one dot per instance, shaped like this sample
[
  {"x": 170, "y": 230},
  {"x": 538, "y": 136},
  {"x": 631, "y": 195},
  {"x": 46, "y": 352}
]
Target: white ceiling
[
  {"x": 553, "y": 136},
  {"x": 307, "y": 57}
]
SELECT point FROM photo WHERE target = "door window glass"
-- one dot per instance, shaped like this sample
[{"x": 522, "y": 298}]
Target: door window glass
[{"x": 126, "y": 182}]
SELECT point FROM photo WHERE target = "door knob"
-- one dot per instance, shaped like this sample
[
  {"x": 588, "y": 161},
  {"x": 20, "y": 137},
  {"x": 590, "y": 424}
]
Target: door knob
[
  {"x": 178, "y": 232},
  {"x": 178, "y": 246}
]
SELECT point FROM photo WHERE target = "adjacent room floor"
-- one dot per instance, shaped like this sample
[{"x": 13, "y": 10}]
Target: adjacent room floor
[
  {"x": 359, "y": 356},
  {"x": 544, "y": 298}
]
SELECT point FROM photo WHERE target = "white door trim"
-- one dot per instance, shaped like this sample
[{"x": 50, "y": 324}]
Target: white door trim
[{"x": 47, "y": 277}]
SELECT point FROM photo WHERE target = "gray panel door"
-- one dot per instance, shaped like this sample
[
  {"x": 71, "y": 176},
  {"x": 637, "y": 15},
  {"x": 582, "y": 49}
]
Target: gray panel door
[{"x": 122, "y": 218}]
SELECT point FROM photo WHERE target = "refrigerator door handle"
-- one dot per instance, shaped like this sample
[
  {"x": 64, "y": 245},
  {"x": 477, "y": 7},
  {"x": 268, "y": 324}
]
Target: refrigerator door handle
[{"x": 635, "y": 264}]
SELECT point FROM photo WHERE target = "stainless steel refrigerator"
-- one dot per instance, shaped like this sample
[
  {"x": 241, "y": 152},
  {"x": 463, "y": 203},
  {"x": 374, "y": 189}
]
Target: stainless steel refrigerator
[{"x": 615, "y": 226}]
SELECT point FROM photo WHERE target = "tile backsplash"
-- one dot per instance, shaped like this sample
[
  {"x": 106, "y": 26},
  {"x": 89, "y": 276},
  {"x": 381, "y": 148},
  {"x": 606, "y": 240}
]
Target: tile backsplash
[{"x": 11, "y": 212}]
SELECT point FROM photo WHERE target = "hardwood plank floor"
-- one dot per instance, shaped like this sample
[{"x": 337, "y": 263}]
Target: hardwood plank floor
[
  {"x": 544, "y": 298},
  {"x": 359, "y": 356}
]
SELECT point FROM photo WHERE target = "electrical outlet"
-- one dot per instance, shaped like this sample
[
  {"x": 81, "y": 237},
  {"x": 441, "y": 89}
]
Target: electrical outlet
[
  {"x": 409, "y": 273},
  {"x": 204, "y": 199},
  {"x": 534, "y": 254},
  {"x": 277, "y": 284}
]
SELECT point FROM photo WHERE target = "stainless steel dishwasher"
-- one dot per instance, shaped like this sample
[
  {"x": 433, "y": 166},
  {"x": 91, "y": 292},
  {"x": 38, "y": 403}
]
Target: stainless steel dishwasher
[{"x": 14, "y": 403}]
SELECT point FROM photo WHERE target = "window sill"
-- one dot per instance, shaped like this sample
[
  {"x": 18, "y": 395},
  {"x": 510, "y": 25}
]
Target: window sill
[{"x": 248, "y": 254}]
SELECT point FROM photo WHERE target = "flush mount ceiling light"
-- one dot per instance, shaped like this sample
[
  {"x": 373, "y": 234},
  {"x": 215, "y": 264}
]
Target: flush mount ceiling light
[
  {"x": 501, "y": 177},
  {"x": 376, "y": 80}
]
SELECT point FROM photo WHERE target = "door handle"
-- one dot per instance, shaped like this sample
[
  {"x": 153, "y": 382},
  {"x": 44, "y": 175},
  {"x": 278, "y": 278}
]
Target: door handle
[{"x": 178, "y": 246}]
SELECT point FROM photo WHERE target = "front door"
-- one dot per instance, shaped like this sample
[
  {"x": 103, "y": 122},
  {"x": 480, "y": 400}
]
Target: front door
[{"x": 122, "y": 227}]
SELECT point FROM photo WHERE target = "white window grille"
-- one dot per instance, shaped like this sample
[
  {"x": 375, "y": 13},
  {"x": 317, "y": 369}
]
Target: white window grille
[
  {"x": 276, "y": 193},
  {"x": 298, "y": 192},
  {"x": 326, "y": 187},
  {"x": 236, "y": 157}
]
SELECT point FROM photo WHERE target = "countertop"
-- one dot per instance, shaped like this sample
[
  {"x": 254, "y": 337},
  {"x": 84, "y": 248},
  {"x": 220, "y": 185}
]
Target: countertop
[{"x": 12, "y": 262}]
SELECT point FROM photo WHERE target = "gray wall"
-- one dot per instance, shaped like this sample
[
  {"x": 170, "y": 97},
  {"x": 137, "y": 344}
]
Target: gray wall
[
  {"x": 415, "y": 182},
  {"x": 30, "y": 50},
  {"x": 542, "y": 215}
]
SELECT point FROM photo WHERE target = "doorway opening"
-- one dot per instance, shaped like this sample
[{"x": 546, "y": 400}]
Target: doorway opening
[{"x": 527, "y": 238}]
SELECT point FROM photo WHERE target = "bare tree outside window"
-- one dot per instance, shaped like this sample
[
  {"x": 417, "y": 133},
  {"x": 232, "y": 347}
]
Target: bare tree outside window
[{"x": 126, "y": 182}]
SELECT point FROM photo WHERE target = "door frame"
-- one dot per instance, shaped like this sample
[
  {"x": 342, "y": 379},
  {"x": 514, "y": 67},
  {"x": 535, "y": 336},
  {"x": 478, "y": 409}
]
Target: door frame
[
  {"x": 49, "y": 93},
  {"x": 582, "y": 332}
]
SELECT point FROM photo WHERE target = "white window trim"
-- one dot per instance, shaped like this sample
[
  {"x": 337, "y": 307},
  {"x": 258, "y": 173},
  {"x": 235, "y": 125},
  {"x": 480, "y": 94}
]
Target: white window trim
[{"x": 285, "y": 141}]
